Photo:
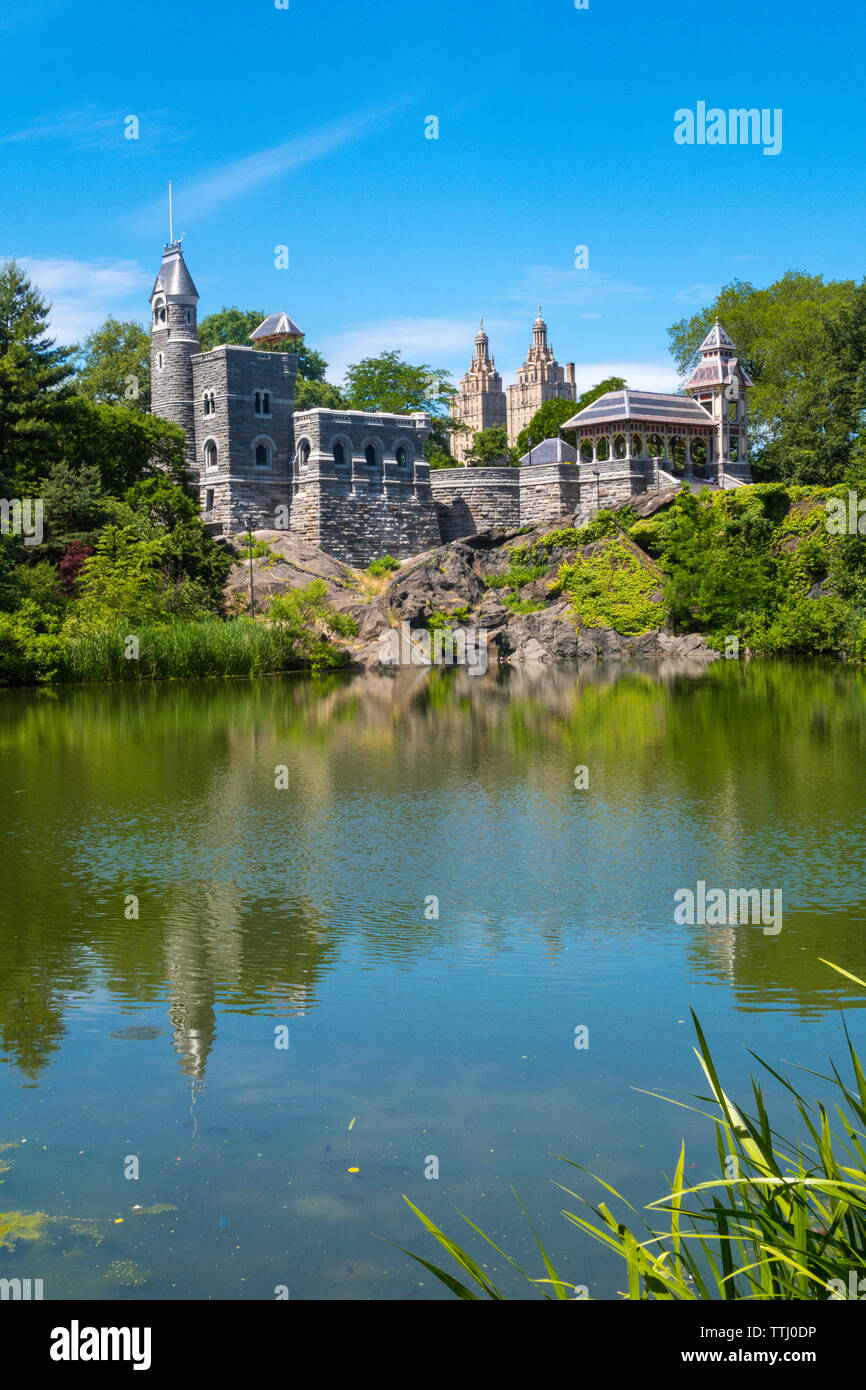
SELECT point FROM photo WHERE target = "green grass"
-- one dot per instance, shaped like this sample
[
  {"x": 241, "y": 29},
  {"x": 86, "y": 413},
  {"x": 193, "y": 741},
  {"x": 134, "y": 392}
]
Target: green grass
[
  {"x": 180, "y": 649},
  {"x": 784, "y": 1220},
  {"x": 385, "y": 564}
]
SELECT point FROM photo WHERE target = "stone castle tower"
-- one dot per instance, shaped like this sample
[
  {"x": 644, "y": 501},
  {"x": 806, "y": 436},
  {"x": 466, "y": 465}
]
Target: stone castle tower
[
  {"x": 540, "y": 379},
  {"x": 480, "y": 402},
  {"x": 174, "y": 341}
]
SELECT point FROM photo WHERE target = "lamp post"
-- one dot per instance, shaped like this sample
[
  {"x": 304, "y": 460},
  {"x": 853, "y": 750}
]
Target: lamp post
[
  {"x": 530, "y": 454},
  {"x": 249, "y": 524},
  {"x": 596, "y": 471}
]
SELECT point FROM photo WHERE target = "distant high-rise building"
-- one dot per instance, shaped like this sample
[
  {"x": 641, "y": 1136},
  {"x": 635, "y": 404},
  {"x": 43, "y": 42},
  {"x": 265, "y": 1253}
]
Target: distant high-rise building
[
  {"x": 480, "y": 402},
  {"x": 540, "y": 379}
]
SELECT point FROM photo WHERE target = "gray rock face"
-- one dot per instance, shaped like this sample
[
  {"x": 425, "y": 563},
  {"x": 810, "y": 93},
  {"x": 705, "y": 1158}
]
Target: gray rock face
[{"x": 451, "y": 580}]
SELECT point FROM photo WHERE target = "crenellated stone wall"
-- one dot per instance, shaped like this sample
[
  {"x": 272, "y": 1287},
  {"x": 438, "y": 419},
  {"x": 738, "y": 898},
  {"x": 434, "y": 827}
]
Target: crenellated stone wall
[{"x": 469, "y": 500}]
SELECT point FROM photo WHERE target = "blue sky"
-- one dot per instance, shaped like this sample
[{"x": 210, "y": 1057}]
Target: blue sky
[{"x": 305, "y": 127}]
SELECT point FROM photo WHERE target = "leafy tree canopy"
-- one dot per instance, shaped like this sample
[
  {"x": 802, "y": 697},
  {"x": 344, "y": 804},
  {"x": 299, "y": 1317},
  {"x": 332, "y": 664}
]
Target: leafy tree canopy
[
  {"x": 34, "y": 382},
  {"x": 545, "y": 423},
  {"x": 490, "y": 449},
  {"x": 801, "y": 340},
  {"x": 387, "y": 383},
  {"x": 235, "y": 326},
  {"x": 114, "y": 365}
]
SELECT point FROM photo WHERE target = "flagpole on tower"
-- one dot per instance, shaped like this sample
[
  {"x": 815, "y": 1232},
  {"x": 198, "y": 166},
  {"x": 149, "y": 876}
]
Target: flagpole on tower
[{"x": 170, "y": 216}]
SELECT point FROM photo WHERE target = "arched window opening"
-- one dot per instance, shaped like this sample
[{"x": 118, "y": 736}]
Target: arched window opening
[
  {"x": 586, "y": 451},
  {"x": 210, "y": 455},
  {"x": 340, "y": 454},
  {"x": 603, "y": 451},
  {"x": 636, "y": 446},
  {"x": 371, "y": 456},
  {"x": 698, "y": 453},
  {"x": 733, "y": 410},
  {"x": 734, "y": 450},
  {"x": 678, "y": 450},
  {"x": 656, "y": 446},
  {"x": 302, "y": 454},
  {"x": 619, "y": 446},
  {"x": 263, "y": 456},
  {"x": 159, "y": 361},
  {"x": 257, "y": 407},
  {"x": 402, "y": 456},
  {"x": 266, "y": 403}
]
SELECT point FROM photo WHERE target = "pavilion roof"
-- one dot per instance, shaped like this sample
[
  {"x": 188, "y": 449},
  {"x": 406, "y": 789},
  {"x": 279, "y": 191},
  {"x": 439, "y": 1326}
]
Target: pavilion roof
[
  {"x": 651, "y": 407},
  {"x": 712, "y": 370},
  {"x": 274, "y": 328}
]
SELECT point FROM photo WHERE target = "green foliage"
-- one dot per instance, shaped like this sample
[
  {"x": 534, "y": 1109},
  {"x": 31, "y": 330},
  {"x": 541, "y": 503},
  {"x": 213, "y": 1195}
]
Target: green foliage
[
  {"x": 385, "y": 564},
  {"x": 235, "y": 326},
  {"x": 310, "y": 394},
  {"x": 784, "y": 1220},
  {"x": 261, "y": 549},
  {"x": 611, "y": 589},
  {"x": 387, "y": 383},
  {"x": 803, "y": 343},
  {"x": 446, "y": 622},
  {"x": 490, "y": 449},
  {"x": 31, "y": 648},
  {"x": 518, "y": 573},
  {"x": 307, "y": 617},
  {"x": 125, "y": 445},
  {"x": 546, "y": 422},
  {"x": 34, "y": 384},
  {"x": 113, "y": 366}
]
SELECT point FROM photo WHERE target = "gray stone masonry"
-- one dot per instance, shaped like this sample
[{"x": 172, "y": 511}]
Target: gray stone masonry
[
  {"x": 173, "y": 344},
  {"x": 469, "y": 500},
  {"x": 362, "y": 484},
  {"x": 244, "y": 433}
]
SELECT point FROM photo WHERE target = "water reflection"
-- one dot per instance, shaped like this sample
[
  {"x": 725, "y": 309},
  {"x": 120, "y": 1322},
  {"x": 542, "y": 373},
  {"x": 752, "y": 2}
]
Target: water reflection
[{"x": 249, "y": 898}]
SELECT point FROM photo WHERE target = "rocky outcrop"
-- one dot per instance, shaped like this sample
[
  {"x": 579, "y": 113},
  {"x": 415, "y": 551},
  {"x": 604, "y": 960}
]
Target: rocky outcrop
[{"x": 459, "y": 586}]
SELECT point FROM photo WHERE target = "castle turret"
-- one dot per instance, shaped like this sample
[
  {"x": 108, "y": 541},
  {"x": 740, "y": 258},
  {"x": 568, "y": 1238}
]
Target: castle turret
[
  {"x": 719, "y": 383},
  {"x": 174, "y": 340}
]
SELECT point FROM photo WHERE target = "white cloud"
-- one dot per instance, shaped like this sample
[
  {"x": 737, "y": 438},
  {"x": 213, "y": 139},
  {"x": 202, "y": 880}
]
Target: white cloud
[
  {"x": 433, "y": 340},
  {"x": 640, "y": 376},
  {"x": 697, "y": 294},
  {"x": 89, "y": 127},
  {"x": 560, "y": 285},
  {"x": 83, "y": 293},
  {"x": 241, "y": 176}
]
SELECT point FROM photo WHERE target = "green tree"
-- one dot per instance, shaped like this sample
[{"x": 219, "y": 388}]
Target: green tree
[
  {"x": 309, "y": 394},
  {"x": 74, "y": 502},
  {"x": 125, "y": 445},
  {"x": 34, "y": 383},
  {"x": 387, "y": 383},
  {"x": 490, "y": 449},
  {"x": 788, "y": 337},
  {"x": 235, "y": 326},
  {"x": 114, "y": 365},
  {"x": 545, "y": 423}
]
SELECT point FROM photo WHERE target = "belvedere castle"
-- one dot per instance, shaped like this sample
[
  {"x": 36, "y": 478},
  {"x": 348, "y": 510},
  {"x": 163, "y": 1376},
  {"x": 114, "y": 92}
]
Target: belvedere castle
[{"x": 356, "y": 483}]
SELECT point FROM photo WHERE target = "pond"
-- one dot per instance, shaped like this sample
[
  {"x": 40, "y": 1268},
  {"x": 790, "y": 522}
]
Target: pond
[{"x": 275, "y": 954}]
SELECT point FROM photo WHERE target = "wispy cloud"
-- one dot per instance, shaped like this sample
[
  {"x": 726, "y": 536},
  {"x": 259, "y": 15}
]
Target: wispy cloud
[
  {"x": 240, "y": 176},
  {"x": 83, "y": 293},
  {"x": 437, "y": 341},
  {"x": 697, "y": 294},
  {"x": 90, "y": 127},
  {"x": 563, "y": 285}
]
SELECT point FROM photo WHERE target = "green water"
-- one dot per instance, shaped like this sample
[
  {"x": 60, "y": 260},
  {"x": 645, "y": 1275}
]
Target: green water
[{"x": 411, "y": 1037}]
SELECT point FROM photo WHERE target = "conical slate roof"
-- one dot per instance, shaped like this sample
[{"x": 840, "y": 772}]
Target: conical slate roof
[{"x": 173, "y": 277}]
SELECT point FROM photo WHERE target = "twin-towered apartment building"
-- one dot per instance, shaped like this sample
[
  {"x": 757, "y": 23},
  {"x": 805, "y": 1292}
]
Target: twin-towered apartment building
[{"x": 481, "y": 402}]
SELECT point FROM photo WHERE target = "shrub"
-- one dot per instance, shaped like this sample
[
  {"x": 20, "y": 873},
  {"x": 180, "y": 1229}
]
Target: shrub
[
  {"x": 385, "y": 564},
  {"x": 611, "y": 589}
]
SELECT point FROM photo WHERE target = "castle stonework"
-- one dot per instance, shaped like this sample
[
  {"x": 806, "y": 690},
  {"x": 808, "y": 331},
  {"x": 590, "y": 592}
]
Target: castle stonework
[{"x": 356, "y": 483}]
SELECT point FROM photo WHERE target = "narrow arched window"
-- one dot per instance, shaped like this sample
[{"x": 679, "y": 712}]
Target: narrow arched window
[
  {"x": 258, "y": 403},
  {"x": 206, "y": 403},
  {"x": 401, "y": 456},
  {"x": 210, "y": 455},
  {"x": 370, "y": 456},
  {"x": 340, "y": 454},
  {"x": 262, "y": 456},
  {"x": 266, "y": 403}
]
